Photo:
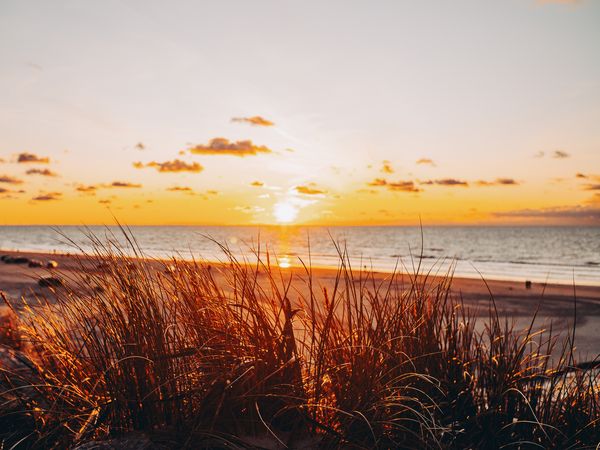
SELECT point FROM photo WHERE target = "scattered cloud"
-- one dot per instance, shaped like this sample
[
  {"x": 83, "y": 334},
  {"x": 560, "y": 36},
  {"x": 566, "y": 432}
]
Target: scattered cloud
[
  {"x": 403, "y": 186},
  {"x": 105, "y": 201},
  {"x": 539, "y": 155},
  {"x": 140, "y": 146},
  {"x": 87, "y": 189},
  {"x": 447, "y": 182},
  {"x": 123, "y": 184},
  {"x": 580, "y": 175},
  {"x": 257, "y": 183},
  {"x": 50, "y": 196},
  {"x": 171, "y": 166},
  {"x": 592, "y": 187},
  {"x": 186, "y": 189},
  {"x": 309, "y": 190},
  {"x": 2, "y": 161},
  {"x": 222, "y": 146},
  {"x": 10, "y": 180},
  {"x": 43, "y": 172},
  {"x": 426, "y": 161},
  {"x": 559, "y": 154},
  {"x": 254, "y": 120},
  {"x": 387, "y": 167},
  {"x": 31, "y": 158},
  {"x": 498, "y": 182}
]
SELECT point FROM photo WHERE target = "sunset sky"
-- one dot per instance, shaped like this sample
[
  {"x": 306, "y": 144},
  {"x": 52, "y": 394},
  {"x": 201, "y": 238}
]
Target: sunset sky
[{"x": 308, "y": 112}]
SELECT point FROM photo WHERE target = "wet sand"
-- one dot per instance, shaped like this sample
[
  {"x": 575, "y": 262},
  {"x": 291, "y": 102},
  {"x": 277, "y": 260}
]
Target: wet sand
[{"x": 555, "y": 302}]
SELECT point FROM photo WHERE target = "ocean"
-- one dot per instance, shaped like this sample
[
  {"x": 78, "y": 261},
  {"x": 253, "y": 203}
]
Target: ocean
[{"x": 553, "y": 254}]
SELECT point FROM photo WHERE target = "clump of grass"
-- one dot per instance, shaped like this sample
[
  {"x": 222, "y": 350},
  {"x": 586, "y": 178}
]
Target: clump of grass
[{"x": 247, "y": 355}]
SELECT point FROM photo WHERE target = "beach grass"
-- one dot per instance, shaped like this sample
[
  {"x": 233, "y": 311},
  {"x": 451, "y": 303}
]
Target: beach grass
[{"x": 248, "y": 355}]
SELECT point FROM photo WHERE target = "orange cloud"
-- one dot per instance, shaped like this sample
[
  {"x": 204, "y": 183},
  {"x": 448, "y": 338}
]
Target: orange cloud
[
  {"x": 307, "y": 190},
  {"x": 171, "y": 166},
  {"x": 48, "y": 197},
  {"x": 255, "y": 120},
  {"x": 447, "y": 182},
  {"x": 31, "y": 158},
  {"x": 403, "y": 186},
  {"x": 87, "y": 189},
  {"x": 222, "y": 146},
  {"x": 425, "y": 161},
  {"x": 257, "y": 183},
  {"x": 43, "y": 172},
  {"x": 181, "y": 189},
  {"x": 10, "y": 180}
]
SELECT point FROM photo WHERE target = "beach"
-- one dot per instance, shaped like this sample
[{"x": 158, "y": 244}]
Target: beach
[{"x": 554, "y": 303}]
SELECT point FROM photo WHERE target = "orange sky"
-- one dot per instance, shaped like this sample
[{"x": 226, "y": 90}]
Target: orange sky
[{"x": 300, "y": 113}]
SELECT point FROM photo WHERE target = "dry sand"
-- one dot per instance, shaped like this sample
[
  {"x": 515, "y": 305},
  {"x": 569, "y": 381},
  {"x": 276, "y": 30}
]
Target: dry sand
[{"x": 513, "y": 299}]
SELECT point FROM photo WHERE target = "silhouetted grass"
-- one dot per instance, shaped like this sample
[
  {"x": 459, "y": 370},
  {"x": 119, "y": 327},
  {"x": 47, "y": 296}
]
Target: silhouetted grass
[{"x": 247, "y": 355}]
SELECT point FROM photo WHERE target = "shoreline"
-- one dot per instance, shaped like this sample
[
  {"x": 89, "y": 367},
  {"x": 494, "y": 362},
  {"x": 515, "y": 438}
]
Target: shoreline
[{"x": 513, "y": 299}]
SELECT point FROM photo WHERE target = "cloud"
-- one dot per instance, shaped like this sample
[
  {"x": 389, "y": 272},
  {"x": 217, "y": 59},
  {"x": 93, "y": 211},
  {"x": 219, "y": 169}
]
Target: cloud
[
  {"x": 309, "y": 190},
  {"x": 105, "y": 201},
  {"x": 566, "y": 212},
  {"x": 592, "y": 187},
  {"x": 426, "y": 161},
  {"x": 387, "y": 167},
  {"x": 87, "y": 189},
  {"x": 498, "y": 182},
  {"x": 255, "y": 120},
  {"x": 171, "y": 166},
  {"x": 257, "y": 183},
  {"x": 10, "y": 180},
  {"x": 222, "y": 146},
  {"x": 50, "y": 196},
  {"x": 123, "y": 184},
  {"x": 140, "y": 146},
  {"x": 31, "y": 158},
  {"x": 2, "y": 161},
  {"x": 580, "y": 175},
  {"x": 539, "y": 155},
  {"x": 559, "y": 154},
  {"x": 403, "y": 186},
  {"x": 181, "y": 189},
  {"x": 43, "y": 172},
  {"x": 446, "y": 182}
]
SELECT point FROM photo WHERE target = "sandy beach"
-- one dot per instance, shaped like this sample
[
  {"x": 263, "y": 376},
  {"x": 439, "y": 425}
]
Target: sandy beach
[{"x": 554, "y": 302}]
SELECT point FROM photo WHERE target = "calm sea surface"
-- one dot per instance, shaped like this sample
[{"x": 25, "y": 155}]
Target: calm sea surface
[{"x": 556, "y": 254}]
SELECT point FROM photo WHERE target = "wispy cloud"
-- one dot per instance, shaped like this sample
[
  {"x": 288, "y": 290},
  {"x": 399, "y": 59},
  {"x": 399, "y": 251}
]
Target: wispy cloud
[
  {"x": 43, "y": 172},
  {"x": 10, "y": 180},
  {"x": 498, "y": 182},
  {"x": 401, "y": 185},
  {"x": 426, "y": 161},
  {"x": 122, "y": 184},
  {"x": 32, "y": 158},
  {"x": 447, "y": 182},
  {"x": 50, "y": 196},
  {"x": 185, "y": 189},
  {"x": 254, "y": 120},
  {"x": 87, "y": 189},
  {"x": 257, "y": 184},
  {"x": 592, "y": 187},
  {"x": 140, "y": 146},
  {"x": 222, "y": 146},
  {"x": 171, "y": 166},
  {"x": 559, "y": 154}
]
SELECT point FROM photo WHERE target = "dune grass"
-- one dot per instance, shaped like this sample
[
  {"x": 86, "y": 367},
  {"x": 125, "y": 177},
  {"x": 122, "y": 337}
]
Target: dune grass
[{"x": 248, "y": 355}]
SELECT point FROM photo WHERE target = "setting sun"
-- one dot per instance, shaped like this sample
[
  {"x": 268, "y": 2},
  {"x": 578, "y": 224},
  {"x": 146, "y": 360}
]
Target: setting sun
[{"x": 285, "y": 212}]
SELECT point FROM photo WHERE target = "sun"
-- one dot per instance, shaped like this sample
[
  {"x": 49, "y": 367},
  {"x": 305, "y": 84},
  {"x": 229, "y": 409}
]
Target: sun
[{"x": 285, "y": 212}]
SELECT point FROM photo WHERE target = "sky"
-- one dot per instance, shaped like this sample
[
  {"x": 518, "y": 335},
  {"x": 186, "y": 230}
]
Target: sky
[{"x": 289, "y": 112}]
